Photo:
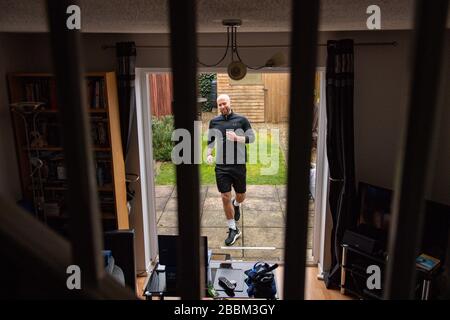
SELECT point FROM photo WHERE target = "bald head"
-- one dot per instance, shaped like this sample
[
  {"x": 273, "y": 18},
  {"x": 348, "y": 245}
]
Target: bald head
[
  {"x": 223, "y": 97},
  {"x": 223, "y": 103}
]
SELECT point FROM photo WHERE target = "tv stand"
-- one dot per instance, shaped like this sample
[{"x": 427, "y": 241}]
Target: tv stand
[
  {"x": 354, "y": 263},
  {"x": 357, "y": 269}
]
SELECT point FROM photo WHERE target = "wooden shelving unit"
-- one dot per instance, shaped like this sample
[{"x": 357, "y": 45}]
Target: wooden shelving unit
[{"x": 45, "y": 173}]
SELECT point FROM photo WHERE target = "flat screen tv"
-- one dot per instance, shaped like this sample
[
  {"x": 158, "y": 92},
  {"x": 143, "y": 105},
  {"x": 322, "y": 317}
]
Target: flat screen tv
[
  {"x": 374, "y": 206},
  {"x": 375, "y": 214}
]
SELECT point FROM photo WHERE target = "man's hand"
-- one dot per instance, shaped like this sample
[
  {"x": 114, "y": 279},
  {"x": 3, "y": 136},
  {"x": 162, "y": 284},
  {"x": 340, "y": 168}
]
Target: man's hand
[
  {"x": 232, "y": 136},
  {"x": 210, "y": 159}
]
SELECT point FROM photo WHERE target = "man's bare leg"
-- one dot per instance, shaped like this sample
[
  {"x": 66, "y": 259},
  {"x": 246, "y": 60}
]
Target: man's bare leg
[
  {"x": 227, "y": 206},
  {"x": 233, "y": 233},
  {"x": 240, "y": 197}
]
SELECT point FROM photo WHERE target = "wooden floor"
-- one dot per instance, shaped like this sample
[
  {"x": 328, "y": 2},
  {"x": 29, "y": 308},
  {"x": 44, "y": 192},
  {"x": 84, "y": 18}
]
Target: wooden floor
[{"x": 315, "y": 288}]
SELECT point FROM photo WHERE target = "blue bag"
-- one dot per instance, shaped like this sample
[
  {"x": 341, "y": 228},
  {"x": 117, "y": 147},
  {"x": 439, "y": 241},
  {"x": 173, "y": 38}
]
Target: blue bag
[{"x": 261, "y": 281}]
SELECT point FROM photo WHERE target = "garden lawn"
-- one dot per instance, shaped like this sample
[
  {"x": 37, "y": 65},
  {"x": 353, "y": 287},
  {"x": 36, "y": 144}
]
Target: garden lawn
[{"x": 166, "y": 175}]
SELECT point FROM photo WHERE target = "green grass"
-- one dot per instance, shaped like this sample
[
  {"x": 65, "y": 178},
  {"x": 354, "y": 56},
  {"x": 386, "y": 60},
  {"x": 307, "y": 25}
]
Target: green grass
[{"x": 167, "y": 175}]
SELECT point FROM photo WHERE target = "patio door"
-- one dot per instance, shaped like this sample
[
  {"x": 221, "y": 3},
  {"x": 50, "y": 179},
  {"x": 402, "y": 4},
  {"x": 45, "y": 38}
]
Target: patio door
[{"x": 271, "y": 198}]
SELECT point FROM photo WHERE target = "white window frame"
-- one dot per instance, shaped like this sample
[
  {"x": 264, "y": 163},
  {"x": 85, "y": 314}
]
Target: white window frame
[{"x": 321, "y": 248}]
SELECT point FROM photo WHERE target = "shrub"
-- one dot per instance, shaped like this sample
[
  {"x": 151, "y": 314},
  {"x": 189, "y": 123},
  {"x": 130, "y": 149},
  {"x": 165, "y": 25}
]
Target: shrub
[
  {"x": 205, "y": 88},
  {"x": 162, "y": 129}
]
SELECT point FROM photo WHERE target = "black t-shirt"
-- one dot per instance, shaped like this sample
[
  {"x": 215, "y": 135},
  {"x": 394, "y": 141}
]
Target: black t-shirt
[{"x": 230, "y": 152}]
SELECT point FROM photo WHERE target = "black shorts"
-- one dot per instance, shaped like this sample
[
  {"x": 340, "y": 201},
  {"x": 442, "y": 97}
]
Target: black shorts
[{"x": 231, "y": 175}]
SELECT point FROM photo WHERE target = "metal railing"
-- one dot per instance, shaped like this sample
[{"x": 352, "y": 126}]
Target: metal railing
[
  {"x": 54, "y": 254},
  {"x": 413, "y": 176}
]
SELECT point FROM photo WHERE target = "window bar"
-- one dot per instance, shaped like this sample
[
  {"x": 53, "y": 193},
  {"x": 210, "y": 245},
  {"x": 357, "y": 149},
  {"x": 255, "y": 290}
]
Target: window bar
[
  {"x": 184, "y": 69},
  {"x": 26, "y": 241},
  {"x": 303, "y": 64},
  {"x": 408, "y": 205},
  {"x": 85, "y": 227}
]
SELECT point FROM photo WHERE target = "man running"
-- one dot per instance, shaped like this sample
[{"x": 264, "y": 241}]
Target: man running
[{"x": 232, "y": 132}]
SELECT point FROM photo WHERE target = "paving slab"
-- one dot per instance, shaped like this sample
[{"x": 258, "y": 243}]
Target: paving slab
[
  {"x": 261, "y": 204},
  {"x": 264, "y": 237},
  {"x": 158, "y": 215},
  {"x": 255, "y": 218},
  {"x": 163, "y": 191},
  {"x": 160, "y": 203},
  {"x": 212, "y": 204},
  {"x": 172, "y": 205},
  {"x": 276, "y": 254},
  {"x": 216, "y": 218},
  {"x": 261, "y": 191},
  {"x": 168, "y": 231},
  {"x": 281, "y": 190},
  {"x": 168, "y": 219}
]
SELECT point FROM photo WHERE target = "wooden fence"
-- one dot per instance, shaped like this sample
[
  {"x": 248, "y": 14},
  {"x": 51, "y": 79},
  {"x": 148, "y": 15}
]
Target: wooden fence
[
  {"x": 160, "y": 90},
  {"x": 261, "y": 97}
]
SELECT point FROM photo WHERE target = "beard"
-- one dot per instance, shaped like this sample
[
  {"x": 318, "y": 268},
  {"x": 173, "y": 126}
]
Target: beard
[{"x": 225, "y": 110}]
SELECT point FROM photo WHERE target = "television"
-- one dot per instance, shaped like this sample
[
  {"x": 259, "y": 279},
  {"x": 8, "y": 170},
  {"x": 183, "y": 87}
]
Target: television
[
  {"x": 374, "y": 206},
  {"x": 375, "y": 214}
]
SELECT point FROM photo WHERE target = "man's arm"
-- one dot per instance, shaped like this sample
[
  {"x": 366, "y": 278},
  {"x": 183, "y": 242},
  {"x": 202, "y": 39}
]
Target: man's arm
[
  {"x": 232, "y": 136},
  {"x": 211, "y": 138},
  {"x": 249, "y": 134},
  {"x": 248, "y": 137},
  {"x": 211, "y": 143}
]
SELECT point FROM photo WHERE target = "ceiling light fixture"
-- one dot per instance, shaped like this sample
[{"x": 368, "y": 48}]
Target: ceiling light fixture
[{"x": 237, "y": 69}]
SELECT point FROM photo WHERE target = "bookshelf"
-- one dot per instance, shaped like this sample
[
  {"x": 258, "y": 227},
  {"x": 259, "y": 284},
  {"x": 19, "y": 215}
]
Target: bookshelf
[{"x": 40, "y": 155}]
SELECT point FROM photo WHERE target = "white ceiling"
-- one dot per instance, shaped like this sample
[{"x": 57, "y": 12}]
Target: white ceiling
[{"x": 145, "y": 16}]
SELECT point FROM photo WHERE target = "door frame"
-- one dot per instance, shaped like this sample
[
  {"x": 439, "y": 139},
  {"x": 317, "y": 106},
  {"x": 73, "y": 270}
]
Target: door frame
[
  {"x": 143, "y": 119},
  {"x": 321, "y": 223},
  {"x": 143, "y": 115}
]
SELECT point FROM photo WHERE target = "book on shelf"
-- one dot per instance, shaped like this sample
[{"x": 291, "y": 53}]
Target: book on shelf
[
  {"x": 95, "y": 91},
  {"x": 53, "y": 95},
  {"x": 37, "y": 90},
  {"x": 41, "y": 153},
  {"x": 427, "y": 262}
]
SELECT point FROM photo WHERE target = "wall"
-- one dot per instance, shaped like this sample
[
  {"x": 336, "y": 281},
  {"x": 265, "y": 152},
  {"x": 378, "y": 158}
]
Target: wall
[{"x": 440, "y": 186}]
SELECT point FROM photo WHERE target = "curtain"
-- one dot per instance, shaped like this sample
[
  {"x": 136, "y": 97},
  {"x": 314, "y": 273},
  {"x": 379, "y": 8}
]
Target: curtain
[
  {"x": 126, "y": 61},
  {"x": 340, "y": 146}
]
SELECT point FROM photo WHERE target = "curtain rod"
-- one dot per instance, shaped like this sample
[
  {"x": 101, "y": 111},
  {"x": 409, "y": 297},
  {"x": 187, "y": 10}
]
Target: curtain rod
[{"x": 392, "y": 43}]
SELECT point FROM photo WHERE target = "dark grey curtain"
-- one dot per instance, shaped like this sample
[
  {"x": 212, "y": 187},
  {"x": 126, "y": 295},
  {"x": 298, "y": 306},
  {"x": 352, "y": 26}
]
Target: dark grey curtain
[
  {"x": 340, "y": 146},
  {"x": 126, "y": 61}
]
